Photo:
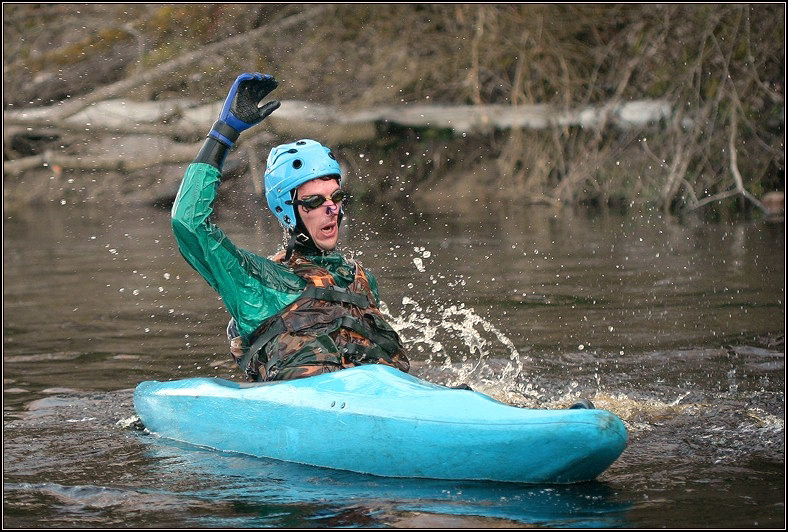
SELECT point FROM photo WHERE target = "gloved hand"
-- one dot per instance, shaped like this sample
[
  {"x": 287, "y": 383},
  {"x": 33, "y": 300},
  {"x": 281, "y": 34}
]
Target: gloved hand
[{"x": 240, "y": 110}]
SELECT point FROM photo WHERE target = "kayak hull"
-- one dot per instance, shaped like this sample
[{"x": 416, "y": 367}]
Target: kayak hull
[{"x": 378, "y": 420}]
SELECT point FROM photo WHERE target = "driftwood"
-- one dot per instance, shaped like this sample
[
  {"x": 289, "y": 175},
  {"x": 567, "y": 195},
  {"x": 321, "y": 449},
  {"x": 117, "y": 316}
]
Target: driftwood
[
  {"x": 185, "y": 121},
  {"x": 174, "y": 155}
]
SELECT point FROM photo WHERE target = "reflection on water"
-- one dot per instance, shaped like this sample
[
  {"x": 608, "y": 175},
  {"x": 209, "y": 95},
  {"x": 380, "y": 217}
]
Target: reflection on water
[
  {"x": 676, "y": 327},
  {"x": 257, "y": 483}
]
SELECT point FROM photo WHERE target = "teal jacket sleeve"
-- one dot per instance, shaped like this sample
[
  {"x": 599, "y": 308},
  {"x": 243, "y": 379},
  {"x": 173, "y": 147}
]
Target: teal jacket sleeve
[{"x": 253, "y": 288}]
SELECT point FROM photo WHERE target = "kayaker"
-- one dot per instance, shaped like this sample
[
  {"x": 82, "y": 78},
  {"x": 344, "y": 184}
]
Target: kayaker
[{"x": 307, "y": 310}]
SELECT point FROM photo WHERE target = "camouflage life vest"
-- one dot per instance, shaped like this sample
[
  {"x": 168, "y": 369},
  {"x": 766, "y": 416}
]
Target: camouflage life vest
[{"x": 327, "y": 328}]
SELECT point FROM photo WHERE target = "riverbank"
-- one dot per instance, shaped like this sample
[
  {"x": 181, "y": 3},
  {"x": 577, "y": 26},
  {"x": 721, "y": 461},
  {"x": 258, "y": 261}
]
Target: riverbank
[{"x": 506, "y": 100}]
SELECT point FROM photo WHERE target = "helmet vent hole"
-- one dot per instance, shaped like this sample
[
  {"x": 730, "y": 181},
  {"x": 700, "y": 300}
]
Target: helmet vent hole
[
  {"x": 300, "y": 143},
  {"x": 298, "y": 163},
  {"x": 331, "y": 155}
]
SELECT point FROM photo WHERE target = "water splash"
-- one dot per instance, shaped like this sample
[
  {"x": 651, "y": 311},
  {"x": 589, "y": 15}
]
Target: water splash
[{"x": 459, "y": 344}]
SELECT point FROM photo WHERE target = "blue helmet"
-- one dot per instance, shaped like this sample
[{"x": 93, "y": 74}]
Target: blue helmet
[{"x": 291, "y": 165}]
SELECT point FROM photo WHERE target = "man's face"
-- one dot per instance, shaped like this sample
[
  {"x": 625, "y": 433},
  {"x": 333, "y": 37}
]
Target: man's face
[{"x": 322, "y": 222}]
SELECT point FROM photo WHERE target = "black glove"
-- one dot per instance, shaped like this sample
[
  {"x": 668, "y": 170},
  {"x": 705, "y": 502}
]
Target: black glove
[
  {"x": 240, "y": 111},
  {"x": 241, "y": 108}
]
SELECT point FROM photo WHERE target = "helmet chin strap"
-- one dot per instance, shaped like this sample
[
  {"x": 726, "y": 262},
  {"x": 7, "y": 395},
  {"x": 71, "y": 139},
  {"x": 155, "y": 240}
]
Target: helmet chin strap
[{"x": 301, "y": 241}]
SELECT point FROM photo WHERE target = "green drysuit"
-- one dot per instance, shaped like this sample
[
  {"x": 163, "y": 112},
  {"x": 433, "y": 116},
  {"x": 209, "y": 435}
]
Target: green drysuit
[{"x": 253, "y": 288}]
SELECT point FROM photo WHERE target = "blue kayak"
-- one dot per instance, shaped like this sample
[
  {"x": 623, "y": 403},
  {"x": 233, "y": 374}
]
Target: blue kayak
[{"x": 378, "y": 420}]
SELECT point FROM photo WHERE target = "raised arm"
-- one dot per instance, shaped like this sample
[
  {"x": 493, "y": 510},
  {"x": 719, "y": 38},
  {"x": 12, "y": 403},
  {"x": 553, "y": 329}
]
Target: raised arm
[{"x": 237, "y": 275}]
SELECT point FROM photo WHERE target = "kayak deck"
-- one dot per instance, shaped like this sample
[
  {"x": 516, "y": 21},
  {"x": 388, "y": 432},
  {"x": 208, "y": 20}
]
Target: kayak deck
[{"x": 378, "y": 420}]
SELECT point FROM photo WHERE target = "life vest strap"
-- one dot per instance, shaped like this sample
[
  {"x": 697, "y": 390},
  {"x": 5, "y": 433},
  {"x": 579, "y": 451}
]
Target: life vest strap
[
  {"x": 359, "y": 326},
  {"x": 336, "y": 294},
  {"x": 276, "y": 327}
]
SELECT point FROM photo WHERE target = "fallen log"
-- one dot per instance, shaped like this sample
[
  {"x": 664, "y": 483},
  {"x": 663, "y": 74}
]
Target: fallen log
[
  {"x": 183, "y": 120},
  {"x": 171, "y": 117}
]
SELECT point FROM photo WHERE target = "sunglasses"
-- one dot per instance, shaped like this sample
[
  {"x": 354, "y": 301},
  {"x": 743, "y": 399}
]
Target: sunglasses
[{"x": 339, "y": 197}]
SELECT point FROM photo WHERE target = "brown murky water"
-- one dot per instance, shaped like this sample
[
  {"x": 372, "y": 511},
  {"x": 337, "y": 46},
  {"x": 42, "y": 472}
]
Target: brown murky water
[{"x": 676, "y": 327}]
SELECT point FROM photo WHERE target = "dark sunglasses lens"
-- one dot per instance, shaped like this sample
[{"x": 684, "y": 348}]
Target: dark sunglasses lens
[
  {"x": 312, "y": 202},
  {"x": 339, "y": 196}
]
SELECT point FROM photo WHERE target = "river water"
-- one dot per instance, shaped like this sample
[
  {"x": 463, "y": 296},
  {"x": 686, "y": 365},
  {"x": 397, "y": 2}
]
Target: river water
[{"x": 675, "y": 326}]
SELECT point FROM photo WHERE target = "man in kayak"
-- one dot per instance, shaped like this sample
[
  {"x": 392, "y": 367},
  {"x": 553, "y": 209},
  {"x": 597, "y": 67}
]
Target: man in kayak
[{"x": 307, "y": 310}]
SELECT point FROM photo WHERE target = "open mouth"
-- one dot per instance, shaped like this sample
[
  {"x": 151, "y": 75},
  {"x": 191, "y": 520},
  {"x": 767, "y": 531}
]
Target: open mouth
[{"x": 329, "y": 229}]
